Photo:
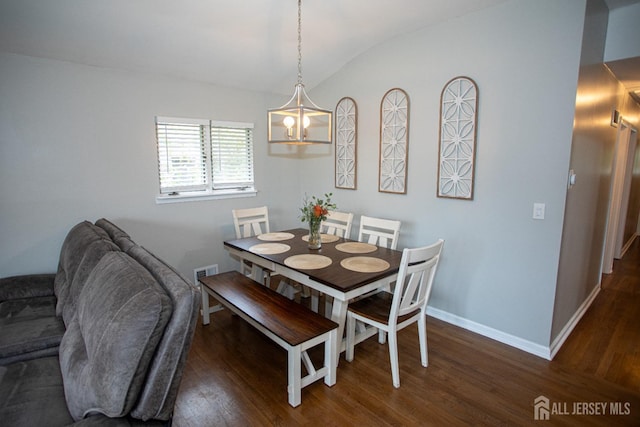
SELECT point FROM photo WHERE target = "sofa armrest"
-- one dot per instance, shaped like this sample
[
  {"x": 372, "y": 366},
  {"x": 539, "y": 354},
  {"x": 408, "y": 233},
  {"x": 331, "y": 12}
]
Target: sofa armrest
[{"x": 27, "y": 286}]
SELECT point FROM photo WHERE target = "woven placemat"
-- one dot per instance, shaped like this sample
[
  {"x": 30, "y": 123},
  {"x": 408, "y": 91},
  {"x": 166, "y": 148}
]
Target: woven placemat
[
  {"x": 365, "y": 264},
  {"x": 269, "y": 248},
  {"x": 324, "y": 238},
  {"x": 308, "y": 261},
  {"x": 274, "y": 237},
  {"x": 356, "y": 247}
]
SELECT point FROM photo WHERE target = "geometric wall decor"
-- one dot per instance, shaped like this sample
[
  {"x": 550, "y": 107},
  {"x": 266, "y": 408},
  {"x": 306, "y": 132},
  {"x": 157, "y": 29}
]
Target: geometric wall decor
[
  {"x": 394, "y": 142},
  {"x": 346, "y": 143},
  {"x": 458, "y": 120}
]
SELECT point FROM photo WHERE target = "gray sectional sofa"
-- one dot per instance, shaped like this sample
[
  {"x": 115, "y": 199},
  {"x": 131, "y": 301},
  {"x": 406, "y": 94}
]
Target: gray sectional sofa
[{"x": 102, "y": 342}]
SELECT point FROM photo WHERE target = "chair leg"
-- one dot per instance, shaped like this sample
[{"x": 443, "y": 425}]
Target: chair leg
[
  {"x": 382, "y": 336},
  {"x": 422, "y": 332},
  {"x": 286, "y": 289},
  {"x": 305, "y": 291},
  {"x": 328, "y": 306},
  {"x": 351, "y": 337},
  {"x": 315, "y": 301},
  {"x": 393, "y": 355}
]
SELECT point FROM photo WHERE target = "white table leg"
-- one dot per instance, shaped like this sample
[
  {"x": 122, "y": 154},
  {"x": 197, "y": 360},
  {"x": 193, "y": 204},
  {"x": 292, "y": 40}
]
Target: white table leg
[{"x": 339, "y": 315}]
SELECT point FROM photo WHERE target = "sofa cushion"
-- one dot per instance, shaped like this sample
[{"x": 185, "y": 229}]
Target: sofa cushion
[
  {"x": 117, "y": 234},
  {"x": 161, "y": 388},
  {"x": 32, "y": 394},
  {"x": 30, "y": 285},
  {"x": 105, "y": 352},
  {"x": 29, "y": 328},
  {"x": 125, "y": 243},
  {"x": 112, "y": 230},
  {"x": 69, "y": 296},
  {"x": 72, "y": 252}
]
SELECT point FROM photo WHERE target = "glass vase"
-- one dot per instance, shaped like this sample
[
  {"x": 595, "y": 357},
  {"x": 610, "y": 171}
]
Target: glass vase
[{"x": 314, "y": 235}]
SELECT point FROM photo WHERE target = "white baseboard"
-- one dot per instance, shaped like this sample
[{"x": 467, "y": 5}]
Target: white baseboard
[
  {"x": 512, "y": 340},
  {"x": 571, "y": 324},
  {"x": 503, "y": 337},
  {"x": 626, "y": 247}
]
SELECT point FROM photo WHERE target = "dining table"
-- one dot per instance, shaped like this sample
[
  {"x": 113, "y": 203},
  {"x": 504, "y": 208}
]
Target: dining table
[{"x": 342, "y": 269}]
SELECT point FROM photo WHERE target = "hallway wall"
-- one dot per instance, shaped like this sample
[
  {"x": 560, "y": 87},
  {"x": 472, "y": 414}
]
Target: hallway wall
[{"x": 592, "y": 149}]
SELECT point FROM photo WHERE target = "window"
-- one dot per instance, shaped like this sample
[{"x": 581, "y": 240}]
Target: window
[{"x": 204, "y": 158}]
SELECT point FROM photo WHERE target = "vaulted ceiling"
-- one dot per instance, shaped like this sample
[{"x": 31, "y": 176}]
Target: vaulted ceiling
[{"x": 242, "y": 43}]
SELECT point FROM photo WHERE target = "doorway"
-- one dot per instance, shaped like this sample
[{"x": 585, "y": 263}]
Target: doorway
[{"x": 616, "y": 240}]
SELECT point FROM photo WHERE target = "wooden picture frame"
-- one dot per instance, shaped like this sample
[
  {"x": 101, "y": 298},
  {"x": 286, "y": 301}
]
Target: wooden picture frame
[
  {"x": 346, "y": 154},
  {"x": 394, "y": 142},
  {"x": 457, "y": 138}
]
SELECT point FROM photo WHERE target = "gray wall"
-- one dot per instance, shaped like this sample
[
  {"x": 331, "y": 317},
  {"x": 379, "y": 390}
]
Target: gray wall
[
  {"x": 499, "y": 268},
  {"x": 78, "y": 142}
]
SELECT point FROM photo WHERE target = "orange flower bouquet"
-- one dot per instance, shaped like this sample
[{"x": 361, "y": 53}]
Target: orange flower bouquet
[{"x": 314, "y": 212}]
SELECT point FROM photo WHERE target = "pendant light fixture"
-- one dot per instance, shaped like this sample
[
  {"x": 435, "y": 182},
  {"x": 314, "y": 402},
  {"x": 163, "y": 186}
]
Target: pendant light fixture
[{"x": 284, "y": 122}]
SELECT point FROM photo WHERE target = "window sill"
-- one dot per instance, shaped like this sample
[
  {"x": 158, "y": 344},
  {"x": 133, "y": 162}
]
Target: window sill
[{"x": 198, "y": 196}]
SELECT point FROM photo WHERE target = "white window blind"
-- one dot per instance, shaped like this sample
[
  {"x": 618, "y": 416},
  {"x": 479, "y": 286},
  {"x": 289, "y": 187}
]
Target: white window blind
[
  {"x": 231, "y": 156},
  {"x": 181, "y": 156},
  {"x": 203, "y": 156}
]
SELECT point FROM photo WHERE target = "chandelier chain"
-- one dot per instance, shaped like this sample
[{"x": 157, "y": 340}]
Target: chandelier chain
[{"x": 300, "y": 42}]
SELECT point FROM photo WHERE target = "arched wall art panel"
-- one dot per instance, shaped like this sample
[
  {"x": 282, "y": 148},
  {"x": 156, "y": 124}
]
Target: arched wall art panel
[
  {"x": 346, "y": 144},
  {"x": 394, "y": 142},
  {"x": 458, "y": 120}
]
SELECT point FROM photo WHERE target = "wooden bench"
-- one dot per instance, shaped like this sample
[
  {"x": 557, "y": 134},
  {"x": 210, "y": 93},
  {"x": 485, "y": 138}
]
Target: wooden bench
[{"x": 291, "y": 325}]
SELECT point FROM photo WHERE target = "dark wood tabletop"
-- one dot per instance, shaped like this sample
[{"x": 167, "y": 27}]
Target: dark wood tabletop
[{"x": 333, "y": 275}]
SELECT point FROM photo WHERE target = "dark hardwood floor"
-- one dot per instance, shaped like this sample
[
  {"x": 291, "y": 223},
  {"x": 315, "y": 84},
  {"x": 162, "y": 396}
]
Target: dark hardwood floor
[{"x": 237, "y": 377}]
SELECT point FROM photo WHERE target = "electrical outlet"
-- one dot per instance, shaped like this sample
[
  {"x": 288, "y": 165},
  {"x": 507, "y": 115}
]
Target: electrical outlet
[{"x": 538, "y": 210}]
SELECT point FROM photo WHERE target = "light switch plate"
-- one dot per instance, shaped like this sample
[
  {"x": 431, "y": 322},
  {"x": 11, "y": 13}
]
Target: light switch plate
[{"x": 538, "y": 210}]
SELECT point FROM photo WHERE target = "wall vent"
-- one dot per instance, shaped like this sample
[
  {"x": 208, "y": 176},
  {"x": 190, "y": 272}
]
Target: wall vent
[{"x": 201, "y": 272}]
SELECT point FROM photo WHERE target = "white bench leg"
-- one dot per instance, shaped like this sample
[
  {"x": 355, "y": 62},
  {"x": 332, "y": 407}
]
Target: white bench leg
[
  {"x": 205, "y": 305},
  {"x": 206, "y": 309},
  {"x": 294, "y": 373}
]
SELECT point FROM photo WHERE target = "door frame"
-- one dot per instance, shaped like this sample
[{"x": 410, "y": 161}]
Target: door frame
[{"x": 621, "y": 174}]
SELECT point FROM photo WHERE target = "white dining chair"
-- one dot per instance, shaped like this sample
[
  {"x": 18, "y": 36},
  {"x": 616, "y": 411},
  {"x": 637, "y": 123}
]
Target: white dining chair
[
  {"x": 379, "y": 232},
  {"x": 338, "y": 224},
  {"x": 376, "y": 231},
  {"x": 390, "y": 312},
  {"x": 247, "y": 223},
  {"x": 253, "y": 222},
  {"x": 250, "y": 222}
]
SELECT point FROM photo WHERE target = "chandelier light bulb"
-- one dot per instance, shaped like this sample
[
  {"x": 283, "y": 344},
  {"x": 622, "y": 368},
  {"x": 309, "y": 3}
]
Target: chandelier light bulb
[{"x": 289, "y": 122}]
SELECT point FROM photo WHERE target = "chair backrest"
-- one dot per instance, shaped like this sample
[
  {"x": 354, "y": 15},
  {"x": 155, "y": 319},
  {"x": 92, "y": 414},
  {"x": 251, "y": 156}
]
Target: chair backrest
[
  {"x": 250, "y": 222},
  {"x": 338, "y": 223},
  {"x": 380, "y": 232},
  {"x": 415, "y": 279}
]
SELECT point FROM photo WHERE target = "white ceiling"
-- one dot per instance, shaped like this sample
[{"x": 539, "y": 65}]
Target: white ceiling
[{"x": 239, "y": 43}]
